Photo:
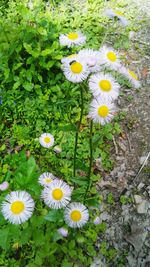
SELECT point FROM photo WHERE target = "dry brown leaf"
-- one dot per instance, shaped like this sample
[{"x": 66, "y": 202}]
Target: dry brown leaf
[{"x": 144, "y": 72}]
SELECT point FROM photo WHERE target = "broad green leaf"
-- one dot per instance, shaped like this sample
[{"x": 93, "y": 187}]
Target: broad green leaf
[
  {"x": 54, "y": 216},
  {"x": 28, "y": 86},
  {"x": 46, "y": 52},
  {"x": 4, "y": 235}
]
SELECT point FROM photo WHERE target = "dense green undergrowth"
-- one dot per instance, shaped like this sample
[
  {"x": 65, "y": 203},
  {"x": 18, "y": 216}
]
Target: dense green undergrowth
[{"x": 36, "y": 98}]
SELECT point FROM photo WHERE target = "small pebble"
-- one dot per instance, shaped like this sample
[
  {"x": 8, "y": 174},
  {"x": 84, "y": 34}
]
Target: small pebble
[
  {"x": 142, "y": 208},
  {"x": 138, "y": 199}
]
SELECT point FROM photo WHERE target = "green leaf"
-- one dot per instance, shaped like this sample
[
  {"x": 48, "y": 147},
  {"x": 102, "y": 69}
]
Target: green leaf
[
  {"x": 17, "y": 66},
  {"x": 4, "y": 234},
  {"x": 31, "y": 166},
  {"x": 16, "y": 85},
  {"x": 81, "y": 165},
  {"x": 28, "y": 86},
  {"x": 67, "y": 128},
  {"x": 42, "y": 31},
  {"x": 57, "y": 236},
  {"x": 79, "y": 180},
  {"x": 66, "y": 264},
  {"x": 46, "y": 52},
  {"x": 95, "y": 202},
  {"x": 28, "y": 48},
  {"x": 2, "y": 148},
  {"x": 54, "y": 216}
]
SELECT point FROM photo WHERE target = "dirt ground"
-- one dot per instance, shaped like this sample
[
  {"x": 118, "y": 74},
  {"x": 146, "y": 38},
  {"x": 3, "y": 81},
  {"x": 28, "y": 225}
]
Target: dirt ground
[{"x": 128, "y": 224}]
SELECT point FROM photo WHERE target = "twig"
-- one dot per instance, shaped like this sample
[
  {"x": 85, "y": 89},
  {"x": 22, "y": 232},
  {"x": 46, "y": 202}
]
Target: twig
[
  {"x": 141, "y": 42},
  {"x": 115, "y": 145},
  {"x": 128, "y": 140},
  {"x": 144, "y": 163}
]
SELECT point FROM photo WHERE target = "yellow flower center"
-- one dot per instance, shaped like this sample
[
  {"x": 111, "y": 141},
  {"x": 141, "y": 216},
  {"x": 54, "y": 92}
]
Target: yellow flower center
[
  {"x": 48, "y": 180},
  {"x": 118, "y": 13},
  {"x": 103, "y": 111},
  {"x": 111, "y": 56},
  {"x": 75, "y": 215},
  {"x": 73, "y": 35},
  {"x": 17, "y": 207},
  {"x": 105, "y": 85},
  {"x": 47, "y": 139},
  {"x": 57, "y": 194},
  {"x": 73, "y": 55},
  {"x": 133, "y": 75},
  {"x": 76, "y": 67}
]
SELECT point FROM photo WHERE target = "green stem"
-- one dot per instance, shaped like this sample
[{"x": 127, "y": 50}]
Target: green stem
[
  {"x": 105, "y": 36},
  {"x": 77, "y": 133},
  {"x": 91, "y": 159}
]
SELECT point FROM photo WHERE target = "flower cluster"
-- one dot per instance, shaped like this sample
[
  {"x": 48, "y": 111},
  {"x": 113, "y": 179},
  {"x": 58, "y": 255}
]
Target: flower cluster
[
  {"x": 104, "y": 88},
  {"x": 57, "y": 194},
  {"x": 18, "y": 206}
]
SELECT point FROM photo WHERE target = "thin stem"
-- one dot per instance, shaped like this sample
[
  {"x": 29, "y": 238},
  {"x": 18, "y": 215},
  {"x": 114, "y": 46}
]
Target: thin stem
[
  {"x": 105, "y": 36},
  {"x": 77, "y": 132},
  {"x": 91, "y": 159}
]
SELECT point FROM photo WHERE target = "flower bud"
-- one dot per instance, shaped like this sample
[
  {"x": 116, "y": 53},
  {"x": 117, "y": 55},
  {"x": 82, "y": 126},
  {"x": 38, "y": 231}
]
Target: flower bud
[{"x": 4, "y": 186}]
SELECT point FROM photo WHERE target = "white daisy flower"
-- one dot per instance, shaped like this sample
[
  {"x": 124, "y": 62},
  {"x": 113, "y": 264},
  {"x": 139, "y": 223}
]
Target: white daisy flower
[
  {"x": 46, "y": 140},
  {"x": 57, "y": 195},
  {"x": 112, "y": 14},
  {"x": 46, "y": 178},
  {"x": 131, "y": 76},
  {"x": 76, "y": 215},
  {"x": 17, "y": 207},
  {"x": 97, "y": 220},
  {"x": 4, "y": 186},
  {"x": 109, "y": 57},
  {"x": 63, "y": 231},
  {"x": 104, "y": 85},
  {"x": 76, "y": 71},
  {"x": 101, "y": 111},
  {"x": 72, "y": 39},
  {"x": 91, "y": 58}
]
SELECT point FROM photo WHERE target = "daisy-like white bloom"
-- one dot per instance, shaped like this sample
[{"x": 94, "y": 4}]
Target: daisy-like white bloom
[
  {"x": 46, "y": 140},
  {"x": 46, "y": 178},
  {"x": 97, "y": 220},
  {"x": 76, "y": 71},
  {"x": 109, "y": 57},
  {"x": 4, "y": 186},
  {"x": 91, "y": 58},
  {"x": 102, "y": 111},
  {"x": 117, "y": 14},
  {"x": 57, "y": 195},
  {"x": 17, "y": 207},
  {"x": 131, "y": 76},
  {"x": 104, "y": 85},
  {"x": 63, "y": 231},
  {"x": 76, "y": 215},
  {"x": 72, "y": 39}
]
